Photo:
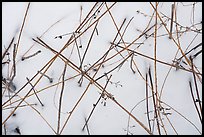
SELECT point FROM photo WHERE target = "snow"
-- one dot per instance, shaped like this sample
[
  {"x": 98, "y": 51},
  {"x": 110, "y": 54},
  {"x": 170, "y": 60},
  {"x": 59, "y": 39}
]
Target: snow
[{"x": 127, "y": 88}]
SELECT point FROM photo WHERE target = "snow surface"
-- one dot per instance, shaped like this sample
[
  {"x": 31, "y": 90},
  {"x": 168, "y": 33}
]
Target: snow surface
[{"x": 108, "y": 118}]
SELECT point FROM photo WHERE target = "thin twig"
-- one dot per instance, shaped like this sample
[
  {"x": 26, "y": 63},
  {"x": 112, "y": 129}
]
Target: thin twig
[
  {"x": 159, "y": 61},
  {"x": 119, "y": 65},
  {"x": 131, "y": 63},
  {"x": 154, "y": 101},
  {"x": 183, "y": 117},
  {"x": 43, "y": 34},
  {"x": 21, "y": 30},
  {"x": 172, "y": 18},
  {"x": 94, "y": 105},
  {"x": 82, "y": 60},
  {"x": 35, "y": 92},
  {"x": 49, "y": 78},
  {"x": 14, "y": 64},
  {"x": 23, "y": 58},
  {"x": 194, "y": 102},
  {"x": 19, "y": 106},
  {"x": 196, "y": 86},
  {"x": 60, "y": 99},
  {"x": 88, "y": 45},
  {"x": 147, "y": 104},
  {"x": 6, "y": 51},
  {"x": 87, "y": 128}
]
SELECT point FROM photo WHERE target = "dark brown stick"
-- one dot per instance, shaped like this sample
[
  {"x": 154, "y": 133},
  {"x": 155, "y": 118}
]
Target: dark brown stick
[
  {"x": 23, "y": 58},
  {"x": 60, "y": 100},
  {"x": 172, "y": 18},
  {"x": 34, "y": 92},
  {"x": 87, "y": 128},
  {"x": 196, "y": 86},
  {"x": 94, "y": 105},
  {"x": 147, "y": 104},
  {"x": 194, "y": 102},
  {"x": 7, "y": 48},
  {"x": 154, "y": 101}
]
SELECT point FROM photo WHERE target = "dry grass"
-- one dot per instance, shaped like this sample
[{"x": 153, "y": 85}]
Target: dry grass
[{"x": 123, "y": 50}]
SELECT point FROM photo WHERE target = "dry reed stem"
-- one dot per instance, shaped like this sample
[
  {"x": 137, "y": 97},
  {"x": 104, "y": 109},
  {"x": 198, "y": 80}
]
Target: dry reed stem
[{"x": 60, "y": 99}]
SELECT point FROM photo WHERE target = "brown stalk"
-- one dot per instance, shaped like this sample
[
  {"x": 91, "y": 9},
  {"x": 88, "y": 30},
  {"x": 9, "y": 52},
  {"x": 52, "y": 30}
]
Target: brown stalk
[
  {"x": 21, "y": 30},
  {"x": 60, "y": 99},
  {"x": 132, "y": 111},
  {"x": 118, "y": 66},
  {"x": 82, "y": 60},
  {"x": 105, "y": 55},
  {"x": 23, "y": 58},
  {"x": 94, "y": 105},
  {"x": 77, "y": 49},
  {"x": 172, "y": 18},
  {"x": 87, "y": 18},
  {"x": 194, "y": 102},
  {"x": 91, "y": 37},
  {"x": 196, "y": 86},
  {"x": 154, "y": 102},
  {"x": 131, "y": 63},
  {"x": 91, "y": 82},
  {"x": 34, "y": 91},
  {"x": 155, "y": 72},
  {"x": 19, "y": 106},
  {"x": 147, "y": 104},
  {"x": 87, "y": 128},
  {"x": 14, "y": 64},
  {"x": 6, "y": 51},
  {"x": 49, "y": 78}
]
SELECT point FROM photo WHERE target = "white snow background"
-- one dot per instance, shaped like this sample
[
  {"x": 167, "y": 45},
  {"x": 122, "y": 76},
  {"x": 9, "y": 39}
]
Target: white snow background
[{"x": 108, "y": 118}]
